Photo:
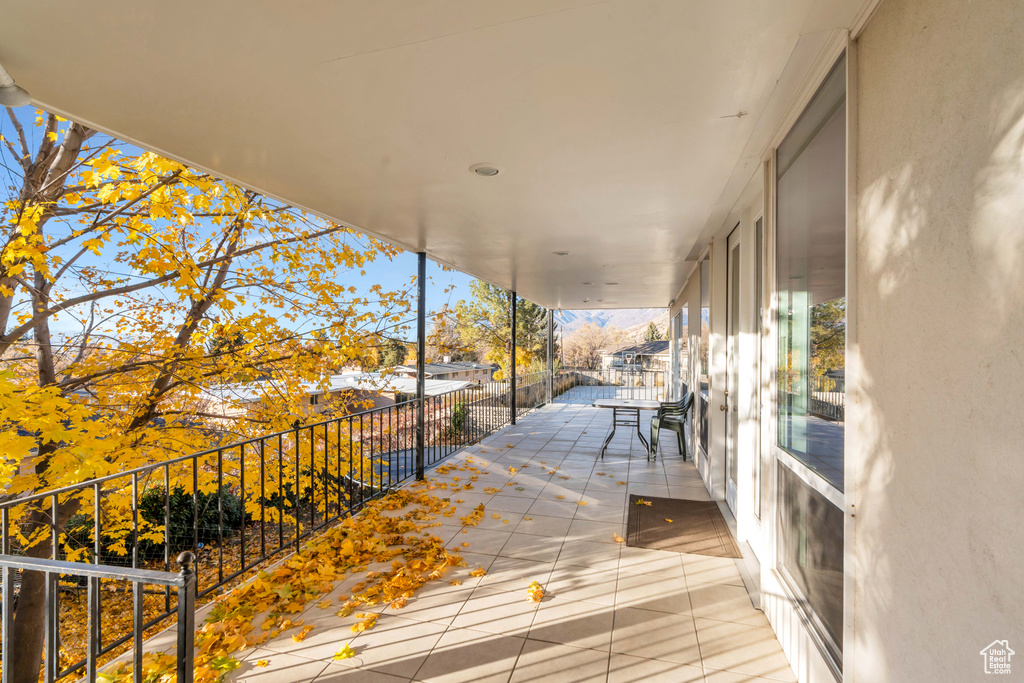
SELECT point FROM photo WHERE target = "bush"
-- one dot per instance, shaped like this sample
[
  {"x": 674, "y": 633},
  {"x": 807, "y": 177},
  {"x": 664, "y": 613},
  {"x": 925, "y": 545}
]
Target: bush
[{"x": 180, "y": 532}]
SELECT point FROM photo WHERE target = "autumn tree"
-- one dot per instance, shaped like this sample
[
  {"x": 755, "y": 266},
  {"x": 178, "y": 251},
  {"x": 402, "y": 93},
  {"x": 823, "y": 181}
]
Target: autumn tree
[
  {"x": 129, "y": 285},
  {"x": 485, "y": 321},
  {"x": 445, "y": 341},
  {"x": 582, "y": 346},
  {"x": 828, "y": 336}
]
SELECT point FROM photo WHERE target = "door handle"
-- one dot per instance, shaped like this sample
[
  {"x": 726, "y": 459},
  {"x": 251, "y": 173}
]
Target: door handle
[{"x": 723, "y": 407}]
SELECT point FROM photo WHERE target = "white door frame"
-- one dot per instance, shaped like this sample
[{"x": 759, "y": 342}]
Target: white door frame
[{"x": 735, "y": 279}]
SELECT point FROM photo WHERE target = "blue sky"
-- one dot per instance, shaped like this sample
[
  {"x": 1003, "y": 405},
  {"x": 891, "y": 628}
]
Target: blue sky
[{"x": 392, "y": 275}]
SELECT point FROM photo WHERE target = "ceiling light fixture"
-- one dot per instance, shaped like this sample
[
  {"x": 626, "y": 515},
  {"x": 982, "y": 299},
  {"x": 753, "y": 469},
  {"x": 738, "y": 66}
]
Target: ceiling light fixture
[
  {"x": 486, "y": 170},
  {"x": 10, "y": 94},
  {"x": 588, "y": 284},
  {"x": 560, "y": 253},
  {"x": 611, "y": 284}
]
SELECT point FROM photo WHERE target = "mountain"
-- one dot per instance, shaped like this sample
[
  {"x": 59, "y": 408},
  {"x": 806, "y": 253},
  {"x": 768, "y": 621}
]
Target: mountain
[
  {"x": 636, "y": 332},
  {"x": 622, "y": 318}
]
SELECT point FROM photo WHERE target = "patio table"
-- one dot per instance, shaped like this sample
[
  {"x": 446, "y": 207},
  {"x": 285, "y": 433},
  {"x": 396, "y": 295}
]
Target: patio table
[{"x": 626, "y": 413}]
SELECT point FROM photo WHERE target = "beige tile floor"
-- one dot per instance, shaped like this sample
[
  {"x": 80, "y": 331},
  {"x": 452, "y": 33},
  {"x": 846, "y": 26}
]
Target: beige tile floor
[{"x": 612, "y": 613}]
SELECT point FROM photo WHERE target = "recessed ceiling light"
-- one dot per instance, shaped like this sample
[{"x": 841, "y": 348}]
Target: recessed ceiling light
[
  {"x": 586, "y": 299},
  {"x": 486, "y": 170},
  {"x": 560, "y": 253}
]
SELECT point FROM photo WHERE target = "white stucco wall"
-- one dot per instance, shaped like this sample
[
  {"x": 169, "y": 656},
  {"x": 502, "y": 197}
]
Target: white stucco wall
[{"x": 939, "y": 446}]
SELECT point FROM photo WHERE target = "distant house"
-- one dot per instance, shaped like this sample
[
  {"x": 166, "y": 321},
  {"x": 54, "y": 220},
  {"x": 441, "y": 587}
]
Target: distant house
[
  {"x": 464, "y": 371},
  {"x": 652, "y": 355},
  {"x": 351, "y": 390}
]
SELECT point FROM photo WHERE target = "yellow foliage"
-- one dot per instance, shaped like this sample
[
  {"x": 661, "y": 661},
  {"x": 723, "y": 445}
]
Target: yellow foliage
[{"x": 344, "y": 653}]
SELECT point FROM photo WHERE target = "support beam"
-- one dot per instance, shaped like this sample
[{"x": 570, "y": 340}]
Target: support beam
[
  {"x": 551, "y": 356},
  {"x": 421, "y": 352},
  {"x": 512, "y": 379}
]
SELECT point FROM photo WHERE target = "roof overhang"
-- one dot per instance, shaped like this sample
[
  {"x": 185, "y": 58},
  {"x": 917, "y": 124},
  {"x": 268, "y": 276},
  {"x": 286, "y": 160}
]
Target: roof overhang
[{"x": 622, "y": 128}]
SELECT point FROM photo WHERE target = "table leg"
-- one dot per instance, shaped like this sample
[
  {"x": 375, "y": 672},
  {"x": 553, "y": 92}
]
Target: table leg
[
  {"x": 640, "y": 433},
  {"x": 615, "y": 414}
]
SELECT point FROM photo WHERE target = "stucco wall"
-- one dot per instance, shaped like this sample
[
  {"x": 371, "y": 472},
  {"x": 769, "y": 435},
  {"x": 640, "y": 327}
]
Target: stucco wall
[{"x": 939, "y": 446}]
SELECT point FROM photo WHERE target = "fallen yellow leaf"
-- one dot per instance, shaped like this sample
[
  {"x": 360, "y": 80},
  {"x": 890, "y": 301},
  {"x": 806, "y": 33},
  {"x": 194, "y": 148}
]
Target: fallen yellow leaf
[
  {"x": 262, "y": 663},
  {"x": 479, "y": 571},
  {"x": 535, "y": 592},
  {"x": 344, "y": 653},
  {"x": 618, "y": 539},
  {"x": 581, "y": 502},
  {"x": 668, "y": 520}
]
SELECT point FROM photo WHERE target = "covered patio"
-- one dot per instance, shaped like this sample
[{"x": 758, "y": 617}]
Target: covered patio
[{"x": 611, "y": 612}]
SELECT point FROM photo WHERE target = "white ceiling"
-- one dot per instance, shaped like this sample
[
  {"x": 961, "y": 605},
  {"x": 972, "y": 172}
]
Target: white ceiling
[{"x": 609, "y": 119}]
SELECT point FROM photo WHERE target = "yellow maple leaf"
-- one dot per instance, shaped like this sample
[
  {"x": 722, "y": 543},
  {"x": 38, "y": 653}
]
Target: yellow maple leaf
[
  {"x": 262, "y": 662},
  {"x": 641, "y": 501},
  {"x": 365, "y": 625},
  {"x": 581, "y": 502},
  {"x": 668, "y": 520},
  {"x": 455, "y": 582},
  {"x": 479, "y": 571},
  {"x": 512, "y": 470},
  {"x": 618, "y": 539},
  {"x": 535, "y": 592},
  {"x": 344, "y": 653}
]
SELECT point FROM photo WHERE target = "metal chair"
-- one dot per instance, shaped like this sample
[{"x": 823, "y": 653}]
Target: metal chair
[{"x": 672, "y": 416}]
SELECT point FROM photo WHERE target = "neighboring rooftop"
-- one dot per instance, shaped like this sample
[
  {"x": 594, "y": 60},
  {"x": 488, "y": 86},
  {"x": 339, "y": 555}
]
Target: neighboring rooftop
[
  {"x": 355, "y": 381},
  {"x": 651, "y": 348},
  {"x": 445, "y": 368}
]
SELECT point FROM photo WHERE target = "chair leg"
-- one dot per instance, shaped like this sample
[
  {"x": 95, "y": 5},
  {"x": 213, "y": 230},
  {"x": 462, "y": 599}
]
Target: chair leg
[{"x": 655, "y": 431}]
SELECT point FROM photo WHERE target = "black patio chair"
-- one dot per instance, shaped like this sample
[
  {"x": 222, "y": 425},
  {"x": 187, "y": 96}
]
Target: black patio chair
[{"x": 672, "y": 416}]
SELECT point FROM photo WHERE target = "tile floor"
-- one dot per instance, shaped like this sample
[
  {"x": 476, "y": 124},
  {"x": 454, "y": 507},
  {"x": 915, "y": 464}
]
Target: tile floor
[{"x": 612, "y": 613}]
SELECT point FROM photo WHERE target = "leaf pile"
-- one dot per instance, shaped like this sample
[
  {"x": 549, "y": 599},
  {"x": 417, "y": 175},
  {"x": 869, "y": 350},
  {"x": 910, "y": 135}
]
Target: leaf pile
[{"x": 370, "y": 538}]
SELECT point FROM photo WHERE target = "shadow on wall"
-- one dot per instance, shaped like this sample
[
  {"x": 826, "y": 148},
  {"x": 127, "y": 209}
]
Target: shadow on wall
[{"x": 938, "y": 421}]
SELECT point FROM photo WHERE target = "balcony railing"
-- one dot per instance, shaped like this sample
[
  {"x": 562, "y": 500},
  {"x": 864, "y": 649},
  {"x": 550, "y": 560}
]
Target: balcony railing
[
  {"x": 589, "y": 385},
  {"x": 826, "y": 396},
  {"x": 235, "y": 507}
]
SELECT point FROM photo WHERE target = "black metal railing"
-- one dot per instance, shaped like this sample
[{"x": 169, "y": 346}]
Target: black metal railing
[
  {"x": 825, "y": 396},
  {"x": 576, "y": 384},
  {"x": 55, "y": 571},
  {"x": 235, "y": 506}
]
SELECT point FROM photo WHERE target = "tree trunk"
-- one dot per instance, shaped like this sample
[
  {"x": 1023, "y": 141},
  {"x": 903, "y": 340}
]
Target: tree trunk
[{"x": 27, "y": 627}]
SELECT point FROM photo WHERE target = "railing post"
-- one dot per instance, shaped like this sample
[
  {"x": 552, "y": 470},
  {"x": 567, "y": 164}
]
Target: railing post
[
  {"x": 421, "y": 350},
  {"x": 551, "y": 356},
  {"x": 512, "y": 379},
  {"x": 186, "y": 618}
]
